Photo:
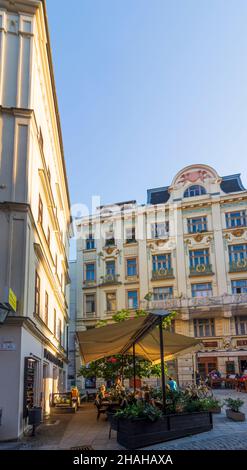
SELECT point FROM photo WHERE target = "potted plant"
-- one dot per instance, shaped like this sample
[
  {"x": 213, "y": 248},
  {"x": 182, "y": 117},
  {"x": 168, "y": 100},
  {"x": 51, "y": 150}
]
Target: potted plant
[
  {"x": 233, "y": 407},
  {"x": 211, "y": 404}
]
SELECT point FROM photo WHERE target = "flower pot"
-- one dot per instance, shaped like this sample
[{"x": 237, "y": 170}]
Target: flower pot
[
  {"x": 215, "y": 410},
  {"x": 235, "y": 415}
]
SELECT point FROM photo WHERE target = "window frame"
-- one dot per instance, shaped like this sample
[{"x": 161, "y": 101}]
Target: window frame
[
  {"x": 193, "y": 188},
  {"x": 200, "y": 325}
]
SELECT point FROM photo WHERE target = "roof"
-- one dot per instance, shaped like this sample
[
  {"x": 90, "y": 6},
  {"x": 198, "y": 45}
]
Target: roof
[
  {"x": 232, "y": 184},
  {"x": 158, "y": 195}
]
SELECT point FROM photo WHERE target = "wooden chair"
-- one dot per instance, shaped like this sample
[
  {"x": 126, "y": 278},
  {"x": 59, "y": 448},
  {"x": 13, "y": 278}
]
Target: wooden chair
[{"x": 102, "y": 409}]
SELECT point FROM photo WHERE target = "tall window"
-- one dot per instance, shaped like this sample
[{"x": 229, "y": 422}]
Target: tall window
[
  {"x": 195, "y": 190},
  {"x": 109, "y": 237},
  {"x": 239, "y": 287},
  {"x": 197, "y": 224},
  {"x": 161, "y": 261},
  {"x": 111, "y": 301},
  {"x": 241, "y": 325},
  {"x": 40, "y": 211},
  {"x": 55, "y": 322},
  {"x": 90, "y": 303},
  {"x": 198, "y": 257},
  {"x": 160, "y": 229},
  {"x": 162, "y": 293},
  {"x": 49, "y": 236},
  {"x": 132, "y": 299},
  {"x": 236, "y": 219},
  {"x": 204, "y": 327},
  {"x": 37, "y": 294},
  {"x": 46, "y": 308},
  {"x": 60, "y": 331},
  {"x": 237, "y": 253},
  {"x": 110, "y": 268},
  {"x": 202, "y": 290},
  {"x": 130, "y": 235},
  {"x": 131, "y": 267},
  {"x": 90, "y": 272},
  {"x": 90, "y": 242}
]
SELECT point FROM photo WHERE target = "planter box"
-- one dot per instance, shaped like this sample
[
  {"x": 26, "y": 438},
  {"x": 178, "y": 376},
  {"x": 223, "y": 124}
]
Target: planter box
[
  {"x": 215, "y": 410},
  {"x": 141, "y": 433},
  {"x": 235, "y": 416}
]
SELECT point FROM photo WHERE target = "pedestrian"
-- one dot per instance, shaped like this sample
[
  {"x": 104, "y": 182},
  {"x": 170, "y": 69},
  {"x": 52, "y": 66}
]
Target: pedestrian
[{"x": 172, "y": 384}]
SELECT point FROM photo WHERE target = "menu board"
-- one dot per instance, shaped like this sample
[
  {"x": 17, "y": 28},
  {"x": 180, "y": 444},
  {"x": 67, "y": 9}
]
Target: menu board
[{"x": 29, "y": 376}]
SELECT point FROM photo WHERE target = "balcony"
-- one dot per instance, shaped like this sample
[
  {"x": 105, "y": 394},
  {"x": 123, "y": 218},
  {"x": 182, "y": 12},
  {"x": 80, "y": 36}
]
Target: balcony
[
  {"x": 238, "y": 266},
  {"x": 162, "y": 274},
  {"x": 109, "y": 279},
  {"x": 89, "y": 283},
  {"x": 223, "y": 302},
  {"x": 201, "y": 270}
]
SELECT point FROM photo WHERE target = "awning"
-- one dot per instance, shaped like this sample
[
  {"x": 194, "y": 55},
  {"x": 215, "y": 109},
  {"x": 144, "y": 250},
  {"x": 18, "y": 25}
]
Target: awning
[{"x": 109, "y": 340}]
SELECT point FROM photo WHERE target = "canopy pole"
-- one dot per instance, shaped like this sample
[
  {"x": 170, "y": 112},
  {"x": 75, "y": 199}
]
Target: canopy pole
[
  {"x": 134, "y": 366},
  {"x": 162, "y": 365}
]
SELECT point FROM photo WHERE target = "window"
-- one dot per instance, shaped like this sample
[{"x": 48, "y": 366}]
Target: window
[
  {"x": 55, "y": 322},
  {"x": 204, "y": 327},
  {"x": 40, "y": 211},
  {"x": 46, "y": 308},
  {"x": 48, "y": 236},
  {"x": 237, "y": 253},
  {"x": 132, "y": 299},
  {"x": 199, "y": 257},
  {"x": 197, "y": 224},
  {"x": 161, "y": 261},
  {"x": 111, "y": 301},
  {"x": 110, "y": 268},
  {"x": 90, "y": 304},
  {"x": 236, "y": 219},
  {"x": 241, "y": 325},
  {"x": 60, "y": 331},
  {"x": 239, "y": 287},
  {"x": 202, "y": 290},
  {"x": 37, "y": 294},
  {"x": 90, "y": 242},
  {"x": 230, "y": 367},
  {"x": 195, "y": 190},
  {"x": 109, "y": 238},
  {"x": 90, "y": 272},
  {"x": 160, "y": 230},
  {"x": 130, "y": 235},
  {"x": 162, "y": 293},
  {"x": 131, "y": 267}
]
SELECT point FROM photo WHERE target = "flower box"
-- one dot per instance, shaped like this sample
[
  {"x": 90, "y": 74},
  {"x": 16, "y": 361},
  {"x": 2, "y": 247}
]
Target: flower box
[
  {"x": 235, "y": 415},
  {"x": 134, "y": 434}
]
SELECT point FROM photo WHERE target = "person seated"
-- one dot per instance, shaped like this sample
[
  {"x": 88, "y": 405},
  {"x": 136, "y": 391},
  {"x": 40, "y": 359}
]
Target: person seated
[
  {"x": 138, "y": 396},
  {"x": 119, "y": 385},
  {"x": 102, "y": 394},
  {"x": 148, "y": 399}
]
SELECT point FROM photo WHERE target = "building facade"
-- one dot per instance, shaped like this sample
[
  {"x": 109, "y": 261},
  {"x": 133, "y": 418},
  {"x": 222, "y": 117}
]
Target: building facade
[
  {"x": 187, "y": 247},
  {"x": 34, "y": 219}
]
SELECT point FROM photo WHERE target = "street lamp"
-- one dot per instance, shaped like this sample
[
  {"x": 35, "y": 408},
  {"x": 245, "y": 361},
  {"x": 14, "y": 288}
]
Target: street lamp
[{"x": 3, "y": 315}]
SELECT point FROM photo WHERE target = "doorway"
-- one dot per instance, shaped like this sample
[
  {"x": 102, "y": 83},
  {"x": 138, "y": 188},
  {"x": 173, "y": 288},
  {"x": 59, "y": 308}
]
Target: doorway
[{"x": 206, "y": 365}]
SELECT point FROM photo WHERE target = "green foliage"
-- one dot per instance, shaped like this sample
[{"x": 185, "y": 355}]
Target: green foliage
[
  {"x": 210, "y": 403},
  {"x": 121, "y": 315},
  {"x": 101, "y": 323},
  {"x": 148, "y": 296},
  {"x": 234, "y": 405},
  {"x": 167, "y": 321},
  {"x": 140, "y": 313},
  {"x": 140, "y": 411},
  {"x": 193, "y": 405}
]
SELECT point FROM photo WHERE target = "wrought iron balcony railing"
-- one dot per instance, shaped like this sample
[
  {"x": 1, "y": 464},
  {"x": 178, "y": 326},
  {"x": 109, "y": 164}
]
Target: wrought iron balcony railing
[
  {"x": 89, "y": 283},
  {"x": 201, "y": 270},
  {"x": 162, "y": 274},
  {"x": 238, "y": 266},
  {"x": 190, "y": 302},
  {"x": 109, "y": 279}
]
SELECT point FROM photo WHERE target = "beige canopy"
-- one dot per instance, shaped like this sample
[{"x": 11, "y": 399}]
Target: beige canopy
[{"x": 108, "y": 340}]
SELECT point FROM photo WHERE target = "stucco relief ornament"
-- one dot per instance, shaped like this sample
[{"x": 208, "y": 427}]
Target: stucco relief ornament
[
  {"x": 238, "y": 232},
  {"x": 193, "y": 176},
  {"x": 198, "y": 238},
  {"x": 227, "y": 343}
]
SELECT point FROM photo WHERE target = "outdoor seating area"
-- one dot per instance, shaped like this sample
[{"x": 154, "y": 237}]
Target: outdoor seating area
[{"x": 235, "y": 383}]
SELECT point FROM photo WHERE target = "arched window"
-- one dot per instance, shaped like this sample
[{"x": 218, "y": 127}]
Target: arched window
[{"x": 195, "y": 190}]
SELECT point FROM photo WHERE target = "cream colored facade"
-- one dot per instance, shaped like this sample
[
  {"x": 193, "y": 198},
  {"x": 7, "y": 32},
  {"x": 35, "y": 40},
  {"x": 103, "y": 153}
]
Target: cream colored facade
[
  {"x": 185, "y": 262},
  {"x": 34, "y": 218}
]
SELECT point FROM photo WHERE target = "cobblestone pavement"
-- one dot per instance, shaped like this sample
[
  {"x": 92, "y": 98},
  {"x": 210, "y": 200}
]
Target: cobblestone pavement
[
  {"x": 66, "y": 431},
  {"x": 225, "y": 435}
]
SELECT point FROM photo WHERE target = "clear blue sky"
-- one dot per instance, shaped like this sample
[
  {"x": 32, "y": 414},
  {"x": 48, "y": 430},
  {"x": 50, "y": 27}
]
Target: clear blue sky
[{"x": 146, "y": 87}]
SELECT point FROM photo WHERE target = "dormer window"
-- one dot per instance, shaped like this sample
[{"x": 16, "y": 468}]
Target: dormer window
[{"x": 195, "y": 190}]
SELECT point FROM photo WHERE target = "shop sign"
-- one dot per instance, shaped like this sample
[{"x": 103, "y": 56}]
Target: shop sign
[{"x": 10, "y": 300}]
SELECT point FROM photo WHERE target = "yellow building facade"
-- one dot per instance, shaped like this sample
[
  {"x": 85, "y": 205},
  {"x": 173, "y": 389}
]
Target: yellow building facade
[{"x": 187, "y": 247}]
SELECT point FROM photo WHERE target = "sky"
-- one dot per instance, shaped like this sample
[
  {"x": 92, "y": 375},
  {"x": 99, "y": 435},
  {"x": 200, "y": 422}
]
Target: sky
[{"x": 146, "y": 87}]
